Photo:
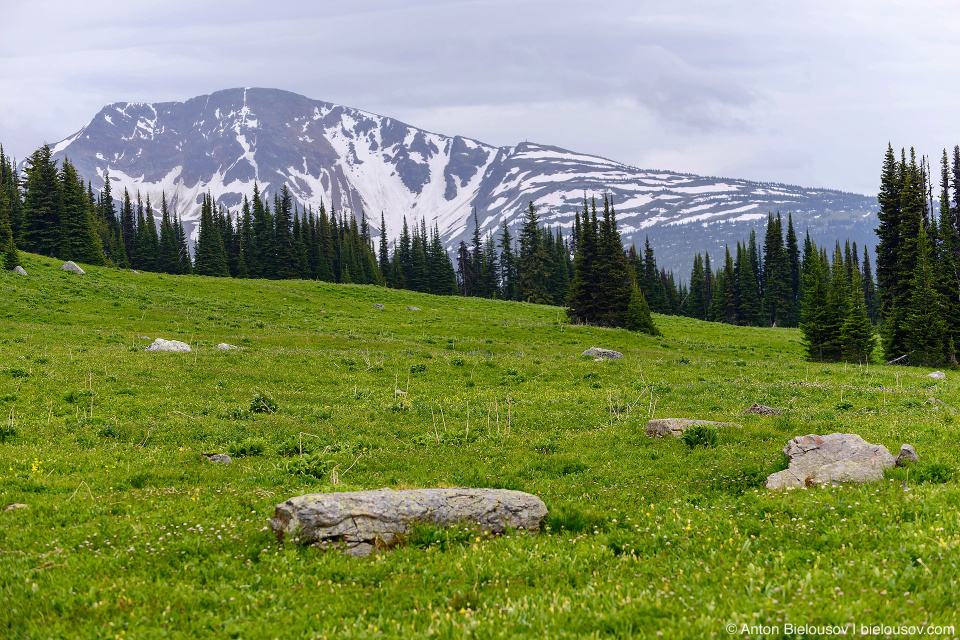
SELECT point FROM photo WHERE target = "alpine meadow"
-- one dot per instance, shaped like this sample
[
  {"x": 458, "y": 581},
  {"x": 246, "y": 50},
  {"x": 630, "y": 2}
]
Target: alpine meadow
[{"x": 666, "y": 423}]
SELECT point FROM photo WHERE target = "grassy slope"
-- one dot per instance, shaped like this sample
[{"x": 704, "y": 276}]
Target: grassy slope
[{"x": 131, "y": 533}]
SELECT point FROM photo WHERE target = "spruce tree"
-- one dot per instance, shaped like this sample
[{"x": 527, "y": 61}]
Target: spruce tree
[
  {"x": 508, "y": 269},
  {"x": 77, "y": 237},
  {"x": 748, "y": 307},
  {"x": 284, "y": 251},
  {"x": 638, "y": 316},
  {"x": 211, "y": 258},
  {"x": 534, "y": 263},
  {"x": 925, "y": 339},
  {"x": 857, "y": 333},
  {"x": 819, "y": 326},
  {"x": 584, "y": 292},
  {"x": 41, "y": 205}
]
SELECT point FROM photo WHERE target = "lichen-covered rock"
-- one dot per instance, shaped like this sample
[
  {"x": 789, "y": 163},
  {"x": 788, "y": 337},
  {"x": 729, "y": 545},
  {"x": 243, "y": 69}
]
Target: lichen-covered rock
[
  {"x": 360, "y": 521},
  {"x": 907, "y": 455},
  {"x": 602, "y": 354},
  {"x": 676, "y": 426},
  {"x": 70, "y": 265},
  {"x": 761, "y": 410},
  {"x": 937, "y": 375},
  {"x": 168, "y": 345},
  {"x": 20, "y": 271},
  {"x": 817, "y": 461}
]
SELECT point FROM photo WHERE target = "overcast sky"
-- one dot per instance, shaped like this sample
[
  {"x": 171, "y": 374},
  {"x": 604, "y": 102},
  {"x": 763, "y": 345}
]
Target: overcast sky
[{"x": 806, "y": 92}]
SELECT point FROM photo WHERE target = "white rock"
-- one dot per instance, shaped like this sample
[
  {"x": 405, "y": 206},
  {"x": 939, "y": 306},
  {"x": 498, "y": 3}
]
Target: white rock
[
  {"x": 19, "y": 270},
  {"x": 168, "y": 345},
  {"x": 70, "y": 265},
  {"x": 223, "y": 346},
  {"x": 937, "y": 375},
  {"x": 601, "y": 354}
]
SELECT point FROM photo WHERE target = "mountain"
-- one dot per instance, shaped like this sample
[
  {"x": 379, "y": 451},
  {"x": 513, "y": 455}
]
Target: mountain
[{"x": 359, "y": 161}]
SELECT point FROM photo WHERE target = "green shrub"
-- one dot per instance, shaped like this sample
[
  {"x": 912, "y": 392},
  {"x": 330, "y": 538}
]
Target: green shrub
[
  {"x": 263, "y": 403},
  {"x": 297, "y": 445},
  {"x": 247, "y": 447},
  {"x": 314, "y": 465},
  {"x": 699, "y": 435}
]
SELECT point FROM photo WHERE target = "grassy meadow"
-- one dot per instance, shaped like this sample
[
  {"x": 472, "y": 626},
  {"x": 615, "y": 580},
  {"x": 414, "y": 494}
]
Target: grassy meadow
[{"x": 129, "y": 532}]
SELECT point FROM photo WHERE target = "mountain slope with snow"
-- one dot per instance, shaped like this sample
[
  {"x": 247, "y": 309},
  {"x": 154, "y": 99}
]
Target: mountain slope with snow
[{"x": 358, "y": 161}]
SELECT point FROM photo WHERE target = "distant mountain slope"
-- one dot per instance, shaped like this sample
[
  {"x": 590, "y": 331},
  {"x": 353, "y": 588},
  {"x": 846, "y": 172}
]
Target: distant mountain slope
[{"x": 357, "y": 160}]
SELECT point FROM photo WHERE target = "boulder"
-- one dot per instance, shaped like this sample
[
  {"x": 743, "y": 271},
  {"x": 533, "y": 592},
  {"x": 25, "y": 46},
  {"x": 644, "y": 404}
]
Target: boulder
[
  {"x": 761, "y": 410},
  {"x": 831, "y": 459},
  {"x": 223, "y": 346},
  {"x": 413, "y": 308},
  {"x": 676, "y": 426},
  {"x": 20, "y": 271},
  {"x": 937, "y": 375},
  {"x": 14, "y": 506},
  {"x": 361, "y": 521},
  {"x": 220, "y": 458},
  {"x": 602, "y": 354},
  {"x": 70, "y": 265},
  {"x": 168, "y": 345},
  {"x": 907, "y": 455},
  {"x": 379, "y": 306}
]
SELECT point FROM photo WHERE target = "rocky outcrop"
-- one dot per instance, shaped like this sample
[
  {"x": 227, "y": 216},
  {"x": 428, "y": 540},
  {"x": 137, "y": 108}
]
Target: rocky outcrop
[
  {"x": 602, "y": 354},
  {"x": 70, "y": 265},
  {"x": 761, "y": 410},
  {"x": 907, "y": 455},
  {"x": 361, "y": 521},
  {"x": 168, "y": 345},
  {"x": 817, "y": 461},
  {"x": 676, "y": 426}
]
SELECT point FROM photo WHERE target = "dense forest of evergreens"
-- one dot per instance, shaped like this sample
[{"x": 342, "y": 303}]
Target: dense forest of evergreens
[{"x": 831, "y": 296}]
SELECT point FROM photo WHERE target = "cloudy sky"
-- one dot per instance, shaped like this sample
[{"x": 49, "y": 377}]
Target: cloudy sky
[{"x": 807, "y": 92}]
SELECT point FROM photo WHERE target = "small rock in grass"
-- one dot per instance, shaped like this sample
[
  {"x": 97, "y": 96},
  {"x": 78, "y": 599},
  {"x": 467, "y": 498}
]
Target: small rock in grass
[
  {"x": 168, "y": 345},
  {"x": 19, "y": 270},
  {"x": 602, "y": 354},
  {"x": 15, "y": 505},
  {"x": 223, "y": 346},
  {"x": 817, "y": 461},
  {"x": 70, "y": 265},
  {"x": 380, "y": 306},
  {"x": 907, "y": 455},
  {"x": 220, "y": 458},
  {"x": 762, "y": 410},
  {"x": 413, "y": 309},
  {"x": 676, "y": 426},
  {"x": 937, "y": 375}
]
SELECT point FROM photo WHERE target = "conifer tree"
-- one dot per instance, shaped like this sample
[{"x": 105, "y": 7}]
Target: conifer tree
[
  {"x": 748, "y": 305},
  {"x": 534, "y": 263},
  {"x": 77, "y": 237},
  {"x": 284, "y": 253},
  {"x": 211, "y": 258},
  {"x": 128, "y": 228},
  {"x": 857, "y": 333},
  {"x": 41, "y": 205},
  {"x": 819, "y": 326},
  {"x": 582, "y": 299},
  {"x": 638, "y": 316},
  {"x": 508, "y": 272},
  {"x": 925, "y": 338},
  {"x": 791, "y": 313}
]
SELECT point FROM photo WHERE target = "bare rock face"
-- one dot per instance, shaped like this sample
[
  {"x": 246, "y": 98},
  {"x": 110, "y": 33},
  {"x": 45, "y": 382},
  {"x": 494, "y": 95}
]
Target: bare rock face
[
  {"x": 761, "y": 410},
  {"x": 602, "y": 354},
  {"x": 907, "y": 455},
  {"x": 937, "y": 375},
  {"x": 168, "y": 345},
  {"x": 70, "y": 265},
  {"x": 360, "y": 521},
  {"x": 676, "y": 426},
  {"x": 817, "y": 461},
  {"x": 20, "y": 271}
]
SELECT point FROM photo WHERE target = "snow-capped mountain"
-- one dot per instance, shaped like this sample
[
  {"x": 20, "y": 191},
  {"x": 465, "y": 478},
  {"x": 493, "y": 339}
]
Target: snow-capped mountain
[{"x": 358, "y": 161}]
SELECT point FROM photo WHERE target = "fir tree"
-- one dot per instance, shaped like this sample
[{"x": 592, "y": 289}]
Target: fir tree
[
  {"x": 77, "y": 237},
  {"x": 638, "y": 316},
  {"x": 925, "y": 334},
  {"x": 41, "y": 205},
  {"x": 534, "y": 262},
  {"x": 211, "y": 258},
  {"x": 857, "y": 333}
]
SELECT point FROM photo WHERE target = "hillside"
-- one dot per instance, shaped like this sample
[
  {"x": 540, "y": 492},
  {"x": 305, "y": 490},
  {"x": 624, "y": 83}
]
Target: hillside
[
  {"x": 360, "y": 161},
  {"x": 128, "y": 531}
]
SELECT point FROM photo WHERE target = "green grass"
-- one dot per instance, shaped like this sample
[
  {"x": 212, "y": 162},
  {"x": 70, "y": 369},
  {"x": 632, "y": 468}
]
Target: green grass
[{"x": 131, "y": 533}]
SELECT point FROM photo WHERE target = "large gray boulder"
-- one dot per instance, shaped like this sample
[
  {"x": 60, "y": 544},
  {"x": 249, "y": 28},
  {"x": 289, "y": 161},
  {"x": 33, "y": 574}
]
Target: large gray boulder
[
  {"x": 168, "y": 345},
  {"x": 676, "y": 426},
  {"x": 937, "y": 375},
  {"x": 602, "y": 354},
  {"x": 20, "y": 271},
  {"x": 70, "y": 265},
  {"x": 360, "y": 521},
  {"x": 817, "y": 461}
]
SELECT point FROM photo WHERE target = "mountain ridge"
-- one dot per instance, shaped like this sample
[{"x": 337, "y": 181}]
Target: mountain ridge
[{"x": 356, "y": 160}]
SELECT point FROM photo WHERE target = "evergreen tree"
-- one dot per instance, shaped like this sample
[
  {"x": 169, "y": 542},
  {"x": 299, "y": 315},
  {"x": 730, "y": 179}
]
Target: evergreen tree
[
  {"x": 211, "y": 258},
  {"x": 284, "y": 251},
  {"x": 925, "y": 334},
  {"x": 534, "y": 262},
  {"x": 384, "y": 251},
  {"x": 41, "y": 205},
  {"x": 791, "y": 312},
  {"x": 820, "y": 327},
  {"x": 748, "y": 306},
  {"x": 638, "y": 316},
  {"x": 583, "y": 296},
  {"x": 77, "y": 237},
  {"x": 169, "y": 258},
  {"x": 128, "y": 228},
  {"x": 856, "y": 334},
  {"x": 508, "y": 261}
]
